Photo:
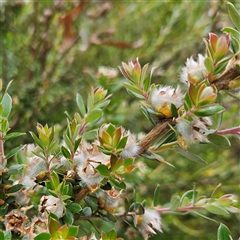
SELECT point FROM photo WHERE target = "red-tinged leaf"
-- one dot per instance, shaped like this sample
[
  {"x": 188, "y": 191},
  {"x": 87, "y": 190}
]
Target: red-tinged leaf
[
  {"x": 208, "y": 99},
  {"x": 193, "y": 94},
  {"x": 54, "y": 225},
  {"x": 136, "y": 73},
  {"x": 117, "y": 136},
  {"x": 128, "y": 169},
  {"x": 213, "y": 38},
  {"x": 106, "y": 138},
  {"x": 63, "y": 231},
  {"x": 113, "y": 161}
]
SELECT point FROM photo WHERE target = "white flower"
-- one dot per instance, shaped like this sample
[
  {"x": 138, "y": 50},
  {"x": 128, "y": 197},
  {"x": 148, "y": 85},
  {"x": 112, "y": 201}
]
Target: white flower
[
  {"x": 89, "y": 175},
  {"x": 195, "y": 130},
  {"x": 87, "y": 160},
  {"x": 161, "y": 99},
  {"x": 51, "y": 204},
  {"x": 148, "y": 223},
  {"x": 108, "y": 200},
  {"x": 194, "y": 71}
]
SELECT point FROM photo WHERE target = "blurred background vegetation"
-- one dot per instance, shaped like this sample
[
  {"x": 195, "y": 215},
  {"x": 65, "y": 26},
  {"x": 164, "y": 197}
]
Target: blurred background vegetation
[{"x": 55, "y": 49}]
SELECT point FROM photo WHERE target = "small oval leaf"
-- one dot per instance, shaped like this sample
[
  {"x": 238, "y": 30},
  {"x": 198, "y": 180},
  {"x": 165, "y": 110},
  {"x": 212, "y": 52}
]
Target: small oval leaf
[
  {"x": 94, "y": 115},
  {"x": 223, "y": 233},
  {"x": 209, "y": 111},
  {"x": 219, "y": 140}
]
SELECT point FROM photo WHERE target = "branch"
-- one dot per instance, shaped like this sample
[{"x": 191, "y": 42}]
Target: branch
[
  {"x": 231, "y": 73},
  {"x": 221, "y": 82},
  {"x": 234, "y": 130},
  {"x": 180, "y": 209},
  {"x": 160, "y": 210}
]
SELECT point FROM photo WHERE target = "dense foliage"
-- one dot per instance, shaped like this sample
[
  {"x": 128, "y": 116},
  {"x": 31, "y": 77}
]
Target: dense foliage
[{"x": 88, "y": 174}]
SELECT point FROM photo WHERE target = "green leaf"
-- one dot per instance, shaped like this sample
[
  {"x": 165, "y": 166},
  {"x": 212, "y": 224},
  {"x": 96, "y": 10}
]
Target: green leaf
[
  {"x": 74, "y": 207},
  {"x": 189, "y": 194},
  {"x": 175, "y": 202},
  {"x": 36, "y": 139},
  {"x": 73, "y": 231},
  {"x": 156, "y": 196},
  {"x": 216, "y": 210},
  {"x": 41, "y": 236},
  {"x": 133, "y": 89},
  {"x": 232, "y": 31},
  {"x": 13, "y": 135},
  {"x": 189, "y": 155},
  {"x": 174, "y": 110},
  {"x": 7, "y": 105},
  {"x": 112, "y": 234},
  {"x": 14, "y": 169},
  {"x": 223, "y": 233},
  {"x": 94, "y": 115},
  {"x": 54, "y": 225},
  {"x": 81, "y": 105},
  {"x": 103, "y": 170},
  {"x": 234, "y": 15},
  {"x": 219, "y": 140},
  {"x": 87, "y": 211},
  {"x": 111, "y": 218},
  {"x": 77, "y": 143},
  {"x": 118, "y": 184},
  {"x": 68, "y": 218},
  {"x": 209, "y": 65},
  {"x": 7, "y": 235},
  {"x": 54, "y": 179},
  {"x": 126, "y": 204},
  {"x": 68, "y": 142},
  {"x": 122, "y": 142},
  {"x": 65, "y": 152},
  {"x": 2, "y": 235},
  {"x": 209, "y": 111},
  {"x": 220, "y": 67},
  {"x": 14, "y": 151}
]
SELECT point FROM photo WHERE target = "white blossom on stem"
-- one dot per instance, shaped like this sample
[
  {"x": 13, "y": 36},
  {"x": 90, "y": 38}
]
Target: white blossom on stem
[{"x": 148, "y": 223}]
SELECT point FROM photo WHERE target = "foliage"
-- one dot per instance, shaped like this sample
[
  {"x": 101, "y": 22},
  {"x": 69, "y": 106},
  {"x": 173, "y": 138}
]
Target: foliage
[{"x": 60, "y": 186}]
